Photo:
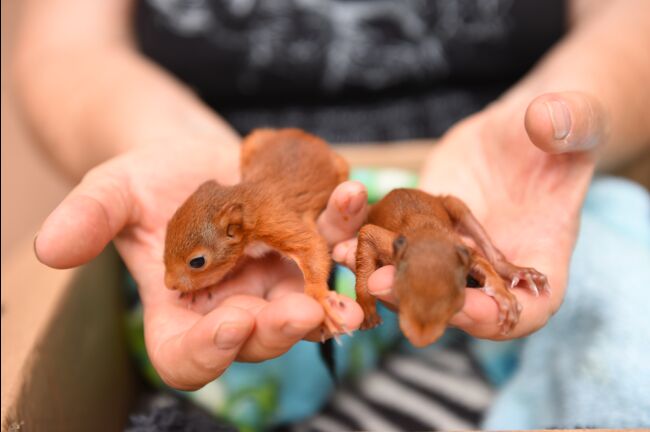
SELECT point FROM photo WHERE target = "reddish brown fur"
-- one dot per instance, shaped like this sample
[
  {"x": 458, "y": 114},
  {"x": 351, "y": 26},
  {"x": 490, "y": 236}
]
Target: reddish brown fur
[
  {"x": 287, "y": 178},
  {"x": 419, "y": 234}
]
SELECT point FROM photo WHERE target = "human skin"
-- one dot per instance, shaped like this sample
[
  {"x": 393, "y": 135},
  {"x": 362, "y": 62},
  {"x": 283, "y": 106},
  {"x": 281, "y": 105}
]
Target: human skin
[{"x": 142, "y": 143}]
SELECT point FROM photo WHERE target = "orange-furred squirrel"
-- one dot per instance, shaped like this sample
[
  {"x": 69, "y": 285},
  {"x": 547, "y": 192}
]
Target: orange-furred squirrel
[
  {"x": 421, "y": 235},
  {"x": 288, "y": 176}
]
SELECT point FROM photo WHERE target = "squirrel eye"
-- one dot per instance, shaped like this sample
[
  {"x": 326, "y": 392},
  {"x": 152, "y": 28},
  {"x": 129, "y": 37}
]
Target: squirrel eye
[
  {"x": 197, "y": 262},
  {"x": 398, "y": 244}
]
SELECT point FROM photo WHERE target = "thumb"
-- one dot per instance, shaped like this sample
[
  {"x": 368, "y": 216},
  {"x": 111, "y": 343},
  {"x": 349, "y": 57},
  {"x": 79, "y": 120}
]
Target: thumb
[
  {"x": 565, "y": 122},
  {"x": 86, "y": 220}
]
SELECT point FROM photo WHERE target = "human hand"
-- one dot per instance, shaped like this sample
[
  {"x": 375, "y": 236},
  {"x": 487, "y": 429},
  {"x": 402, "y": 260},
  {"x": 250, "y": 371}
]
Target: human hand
[
  {"x": 525, "y": 182},
  {"x": 257, "y": 314}
]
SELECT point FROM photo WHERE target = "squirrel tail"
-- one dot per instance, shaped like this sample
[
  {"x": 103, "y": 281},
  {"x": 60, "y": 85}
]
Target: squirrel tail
[{"x": 327, "y": 347}]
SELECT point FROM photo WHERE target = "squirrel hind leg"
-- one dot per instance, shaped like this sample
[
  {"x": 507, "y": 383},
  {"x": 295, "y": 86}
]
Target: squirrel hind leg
[{"x": 312, "y": 257}]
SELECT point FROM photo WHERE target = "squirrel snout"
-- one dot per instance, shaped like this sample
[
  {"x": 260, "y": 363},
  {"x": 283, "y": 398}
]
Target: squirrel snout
[
  {"x": 170, "y": 281},
  {"x": 421, "y": 334},
  {"x": 178, "y": 282}
]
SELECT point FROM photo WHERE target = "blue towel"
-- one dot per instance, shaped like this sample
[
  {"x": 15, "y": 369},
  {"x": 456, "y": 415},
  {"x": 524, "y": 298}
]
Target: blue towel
[{"x": 590, "y": 366}]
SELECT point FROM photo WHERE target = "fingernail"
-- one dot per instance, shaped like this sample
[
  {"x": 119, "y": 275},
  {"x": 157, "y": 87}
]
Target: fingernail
[
  {"x": 34, "y": 244},
  {"x": 380, "y": 293},
  {"x": 356, "y": 202},
  {"x": 292, "y": 330},
  {"x": 230, "y": 334},
  {"x": 560, "y": 117}
]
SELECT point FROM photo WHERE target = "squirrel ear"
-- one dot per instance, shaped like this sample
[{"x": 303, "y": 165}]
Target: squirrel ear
[
  {"x": 208, "y": 187},
  {"x": 463, "y": 254},
  {"x": 233, "y": 221}
]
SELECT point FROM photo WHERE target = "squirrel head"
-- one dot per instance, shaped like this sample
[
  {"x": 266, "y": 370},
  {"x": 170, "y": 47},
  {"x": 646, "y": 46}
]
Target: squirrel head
[
  {"x": 429, "y": 284},
  {"x": 205, "y": 238}
]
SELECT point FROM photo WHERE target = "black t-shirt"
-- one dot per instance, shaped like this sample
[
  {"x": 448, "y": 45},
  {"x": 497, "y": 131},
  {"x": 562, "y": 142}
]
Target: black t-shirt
[{"x": 349, "y": 70}]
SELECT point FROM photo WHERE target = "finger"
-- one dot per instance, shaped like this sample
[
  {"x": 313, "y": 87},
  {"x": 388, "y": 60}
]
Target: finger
[
  {"x": 380, "y": 285},
  {"x": 345, "y": 253},
  {"x": 87, "y": 219},
  {"x": 345, "y": 212},
  {"x": 190, "y": 358},
  {"x": 280, "y": 324},
  {"x": 565, "y": 122},
  {"x": 351, "y": 314},
  {"x": 479, "y": 315}
]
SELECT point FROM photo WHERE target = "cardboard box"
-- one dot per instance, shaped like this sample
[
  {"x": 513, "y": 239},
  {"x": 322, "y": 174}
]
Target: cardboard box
[{"x": 65, "y": 365}]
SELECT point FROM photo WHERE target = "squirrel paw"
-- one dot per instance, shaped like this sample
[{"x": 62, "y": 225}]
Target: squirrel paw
[
  {"x": 333, "y": 321},
  {"x": 371, "y": 318},
  {"x": 509, "y": 308}
]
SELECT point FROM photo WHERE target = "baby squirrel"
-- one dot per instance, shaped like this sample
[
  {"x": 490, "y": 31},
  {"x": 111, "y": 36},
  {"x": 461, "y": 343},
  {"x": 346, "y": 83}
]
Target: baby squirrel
[
  {"x": 420, "y": 235},
  {"x": 288, "y": 176}
]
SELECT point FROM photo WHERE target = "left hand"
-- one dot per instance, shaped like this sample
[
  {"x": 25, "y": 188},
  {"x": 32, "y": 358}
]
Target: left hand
[{"x": 525, "y": 182}]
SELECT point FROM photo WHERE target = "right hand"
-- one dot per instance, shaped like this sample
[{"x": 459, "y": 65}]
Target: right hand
[
  {"x": 129, "y": 199},
  {"x": 525, "y": 186}
]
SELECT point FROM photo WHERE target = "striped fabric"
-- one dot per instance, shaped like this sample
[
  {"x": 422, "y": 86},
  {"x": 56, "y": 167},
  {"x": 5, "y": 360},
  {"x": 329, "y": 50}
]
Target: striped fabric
[{"x": 435, "y": 389}]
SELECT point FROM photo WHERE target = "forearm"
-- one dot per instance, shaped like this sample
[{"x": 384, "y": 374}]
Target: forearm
[
  {"x": 604, "y": 55},
  {"x": 91, "y": 97}
]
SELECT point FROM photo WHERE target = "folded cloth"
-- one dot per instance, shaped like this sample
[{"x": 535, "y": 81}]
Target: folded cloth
[{"x": 590, "y": 365}]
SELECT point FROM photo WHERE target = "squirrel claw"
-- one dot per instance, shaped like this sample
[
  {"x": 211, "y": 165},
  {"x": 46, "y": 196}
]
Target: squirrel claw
[
  {"x": 535, "y": 281},
  {"x": 337, "y": 339},
  {"x": 515, "y": 281},
  {"x": 333, "y": 330},
  {"x": 532, "y": 285}
]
